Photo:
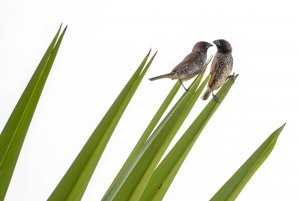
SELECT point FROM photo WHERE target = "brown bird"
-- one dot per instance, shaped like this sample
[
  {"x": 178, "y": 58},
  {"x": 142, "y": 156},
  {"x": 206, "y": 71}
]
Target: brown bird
[
  {"x": 220, "y": 68},
  {"x": 192, "y": 64}
]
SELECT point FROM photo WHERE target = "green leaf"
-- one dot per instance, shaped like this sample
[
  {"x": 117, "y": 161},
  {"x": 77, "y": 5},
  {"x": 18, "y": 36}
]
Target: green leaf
[
  {"x": 76, "y": 179},
  {"x": 14, "y": 132},
  {"x": 131, "y": 183},
  {"x": 148, "y": 130},
  {"x": 231, "y": 189},
  {"x": 170, "y": 165}
]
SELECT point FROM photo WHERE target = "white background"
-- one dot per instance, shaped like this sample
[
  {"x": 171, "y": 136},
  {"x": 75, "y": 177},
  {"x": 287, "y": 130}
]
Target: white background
[{"x": 105, "y": 42}]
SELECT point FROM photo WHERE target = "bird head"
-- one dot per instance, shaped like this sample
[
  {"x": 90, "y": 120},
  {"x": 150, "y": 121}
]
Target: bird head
[
  {"x": 201, "y": 46},
  {"x": 223, "y": 46}
]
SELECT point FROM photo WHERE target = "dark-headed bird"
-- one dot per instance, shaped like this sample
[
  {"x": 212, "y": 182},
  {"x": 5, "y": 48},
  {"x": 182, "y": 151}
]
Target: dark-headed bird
[
  {"x": 221, "y": 67},
  {"x": 192, "y": 64}
]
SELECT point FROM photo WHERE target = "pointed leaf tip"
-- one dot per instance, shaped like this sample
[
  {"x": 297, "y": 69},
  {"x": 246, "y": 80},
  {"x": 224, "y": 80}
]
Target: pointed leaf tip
[
  {"x": 281, "y": 127},
  {"x": 60, "y": 26},
  {"x": 232, "y": 188},
  {"x": 14, "y": 133},
  {"x": 65, "y": 29}
]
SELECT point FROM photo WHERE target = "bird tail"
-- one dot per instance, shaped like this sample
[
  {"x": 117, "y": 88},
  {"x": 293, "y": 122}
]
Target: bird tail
[
  {"x": 206, "y": 94},
  {"x": 168, "y": 75}
]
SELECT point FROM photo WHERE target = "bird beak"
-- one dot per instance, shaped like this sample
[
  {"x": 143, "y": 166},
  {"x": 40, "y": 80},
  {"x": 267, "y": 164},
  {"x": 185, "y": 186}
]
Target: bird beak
[
  {"x": 216, "y": 42},
  {"x": 209, "y": 45}
]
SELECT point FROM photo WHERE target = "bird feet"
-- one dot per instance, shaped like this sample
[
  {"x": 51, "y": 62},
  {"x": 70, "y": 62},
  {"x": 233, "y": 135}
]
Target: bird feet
[
  {"x": 183, "y": 86},
  {"x": 231, "y": 76}
]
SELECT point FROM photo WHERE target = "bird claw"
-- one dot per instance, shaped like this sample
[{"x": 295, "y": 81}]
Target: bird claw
[
  {"x": 183, "y": 86},
  {"x": 186, "y": 90},
  {"x": 231, "y": 76}
]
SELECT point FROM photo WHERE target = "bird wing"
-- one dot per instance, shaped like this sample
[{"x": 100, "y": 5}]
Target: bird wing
[
  {"x": 214, "y": 64},
  {"x": 189, "y": 59},
  {"x": 213, "y": 70},
  {"x": 212, "y": 77},
  {"x": 231, "y": 62}
]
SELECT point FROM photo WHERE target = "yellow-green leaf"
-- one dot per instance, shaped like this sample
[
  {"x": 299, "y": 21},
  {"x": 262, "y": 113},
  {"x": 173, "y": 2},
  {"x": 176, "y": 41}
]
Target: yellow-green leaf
[
  {"x": 14, "y": 132},
  {"x": 170, "y": 165},
  {"x": 231, "y": 189},
  {"x": 72, "y": 186},
  {"x": 148, "y": 130},
  {"x": 131, "y": 183}
]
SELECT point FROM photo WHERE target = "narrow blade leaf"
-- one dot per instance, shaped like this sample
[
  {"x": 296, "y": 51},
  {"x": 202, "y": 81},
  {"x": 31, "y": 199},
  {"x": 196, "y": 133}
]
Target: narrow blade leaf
[
  {"x": 14, "y": 132},
  {"x": 148, "y": 130},
  {"x": 73, "y": 184},
  {"x": 132, "y": 182},
  {"x": 231, "y": 189},
  {"x": 170, "y": 165}
]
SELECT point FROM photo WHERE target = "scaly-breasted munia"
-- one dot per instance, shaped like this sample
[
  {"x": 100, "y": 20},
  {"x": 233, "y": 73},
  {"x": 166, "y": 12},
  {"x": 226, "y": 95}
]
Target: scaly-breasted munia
[
  {"x": 220, "y": 68},
  {"x": 192, "y": 64}
]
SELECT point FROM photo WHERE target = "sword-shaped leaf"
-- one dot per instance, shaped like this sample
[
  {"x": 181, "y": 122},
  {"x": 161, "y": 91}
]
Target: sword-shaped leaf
[
  {"x": 14, "y": 132},
  {"x": 148, "y": 130},
  {"x": 135, "y": 174},
  {"x": 231, "y": 189},
  {"x": 73, "y": 184},
  {"x": 170, "y": 165},
  {"x": 131, "y": 183}
]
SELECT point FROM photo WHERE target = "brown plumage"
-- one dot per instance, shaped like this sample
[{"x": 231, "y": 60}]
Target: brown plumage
[
  {"x": 220, "y": 68},
  {"x": 191, "y": 65}
]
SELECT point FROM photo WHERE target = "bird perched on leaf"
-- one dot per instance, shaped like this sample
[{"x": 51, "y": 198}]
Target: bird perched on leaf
[
  {"x": 192, "y": 64},
  {"x": 220, "y": 68}
]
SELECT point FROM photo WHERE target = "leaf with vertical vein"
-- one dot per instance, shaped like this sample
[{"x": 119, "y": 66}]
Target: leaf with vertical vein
[
  {"x": 73, "y": 184},
  {"x": 14, "y": 132},
  {"x": 148, "y": 131},
  {"x": 140, "y": 169},
  {"x": 170, "y": 165},
  {"x": 231, "y": 189}
]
